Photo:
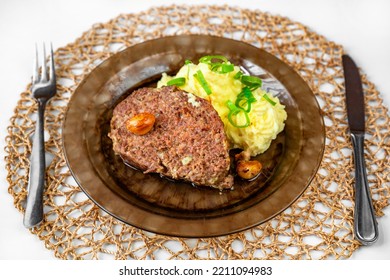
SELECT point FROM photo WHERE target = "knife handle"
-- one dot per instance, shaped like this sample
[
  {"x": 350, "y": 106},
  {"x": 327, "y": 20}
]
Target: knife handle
[{"x": 366, "y": 227}]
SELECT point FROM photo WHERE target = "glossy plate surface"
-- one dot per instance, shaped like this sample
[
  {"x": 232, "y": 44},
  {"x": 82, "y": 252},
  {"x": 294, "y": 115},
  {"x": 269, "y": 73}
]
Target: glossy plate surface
[{"x": 179, "y": 209}]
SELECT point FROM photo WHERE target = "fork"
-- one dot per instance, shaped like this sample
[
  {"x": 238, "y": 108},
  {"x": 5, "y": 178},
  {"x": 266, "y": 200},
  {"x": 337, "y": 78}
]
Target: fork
[{"x": 43, "y": 87}]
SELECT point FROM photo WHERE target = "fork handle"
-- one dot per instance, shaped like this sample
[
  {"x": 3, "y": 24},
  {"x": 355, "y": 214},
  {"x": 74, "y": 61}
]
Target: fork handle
[
  {"x": 34, "y": 205},
  {"x": 366, "y": 228}
]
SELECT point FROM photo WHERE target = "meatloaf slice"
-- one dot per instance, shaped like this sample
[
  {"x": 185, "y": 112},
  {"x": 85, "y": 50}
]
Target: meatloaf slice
[{"x": 187, "y": 141}]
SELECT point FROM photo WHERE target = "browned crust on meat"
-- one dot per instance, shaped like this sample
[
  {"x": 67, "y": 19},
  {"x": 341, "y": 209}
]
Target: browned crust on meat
[{"x": 187, "y": 141}]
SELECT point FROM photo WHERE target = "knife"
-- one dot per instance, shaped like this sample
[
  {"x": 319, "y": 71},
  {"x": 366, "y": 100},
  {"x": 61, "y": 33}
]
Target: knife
[{"x": 365, "y": 224}]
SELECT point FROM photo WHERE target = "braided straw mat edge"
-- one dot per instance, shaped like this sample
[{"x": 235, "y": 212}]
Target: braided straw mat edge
[{"x": 319, "y": 225}]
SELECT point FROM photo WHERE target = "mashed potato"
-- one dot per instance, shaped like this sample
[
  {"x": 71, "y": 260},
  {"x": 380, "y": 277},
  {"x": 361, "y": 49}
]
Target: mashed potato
[{"x": 267, "y": 115}]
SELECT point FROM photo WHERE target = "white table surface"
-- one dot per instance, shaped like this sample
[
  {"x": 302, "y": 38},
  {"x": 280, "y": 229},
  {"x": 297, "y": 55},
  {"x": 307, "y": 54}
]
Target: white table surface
[{"x": 362, "y": 27}]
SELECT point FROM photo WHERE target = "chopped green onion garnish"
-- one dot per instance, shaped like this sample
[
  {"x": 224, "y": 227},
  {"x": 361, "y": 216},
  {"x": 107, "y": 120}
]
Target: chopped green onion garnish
[
  {"x": 238, "y": 75},
  {"x": 211, "y": 59},
  {"x": 233, "y": 108},
  {"x": 222, "y": 68},
  {"x": 217, "y": 63},
  {"x": 244, "y": 105},
  {"x": 245, "y": 99},
  {"x": 234, "y": 111},
  {"x": 202, "y": 81},
  {"x": 177, "y": 82},
  {"x": 266, "y": 97},
  {"x": 251, "y": 81},
  {"x": 187, "y": 61}
]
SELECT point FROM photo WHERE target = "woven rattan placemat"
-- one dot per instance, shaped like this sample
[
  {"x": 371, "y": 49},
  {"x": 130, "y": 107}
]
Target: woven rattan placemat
[{"x": 317, "y": 226}]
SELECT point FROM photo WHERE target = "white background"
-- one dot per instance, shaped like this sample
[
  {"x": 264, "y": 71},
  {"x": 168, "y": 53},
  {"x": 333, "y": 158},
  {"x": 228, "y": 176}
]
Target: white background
[{"x": 362, "y": 27}]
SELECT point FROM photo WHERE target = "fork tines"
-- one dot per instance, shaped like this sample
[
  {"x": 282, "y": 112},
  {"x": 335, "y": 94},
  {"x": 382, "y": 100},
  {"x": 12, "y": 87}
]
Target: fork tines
[{"x": 44, "y": 73}]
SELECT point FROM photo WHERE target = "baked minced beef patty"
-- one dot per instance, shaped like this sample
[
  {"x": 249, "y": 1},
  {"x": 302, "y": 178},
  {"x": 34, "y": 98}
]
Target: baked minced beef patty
[{"x": 187, "y": 141}]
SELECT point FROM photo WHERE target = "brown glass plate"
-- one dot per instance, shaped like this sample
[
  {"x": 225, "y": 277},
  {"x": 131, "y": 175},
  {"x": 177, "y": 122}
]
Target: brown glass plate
[{"x": 172, "y": 208}]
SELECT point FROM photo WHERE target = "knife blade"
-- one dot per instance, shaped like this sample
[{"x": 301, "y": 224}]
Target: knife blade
[
  {"x": 365, "y": 224},
  {"x": 354, "y": 96}
]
